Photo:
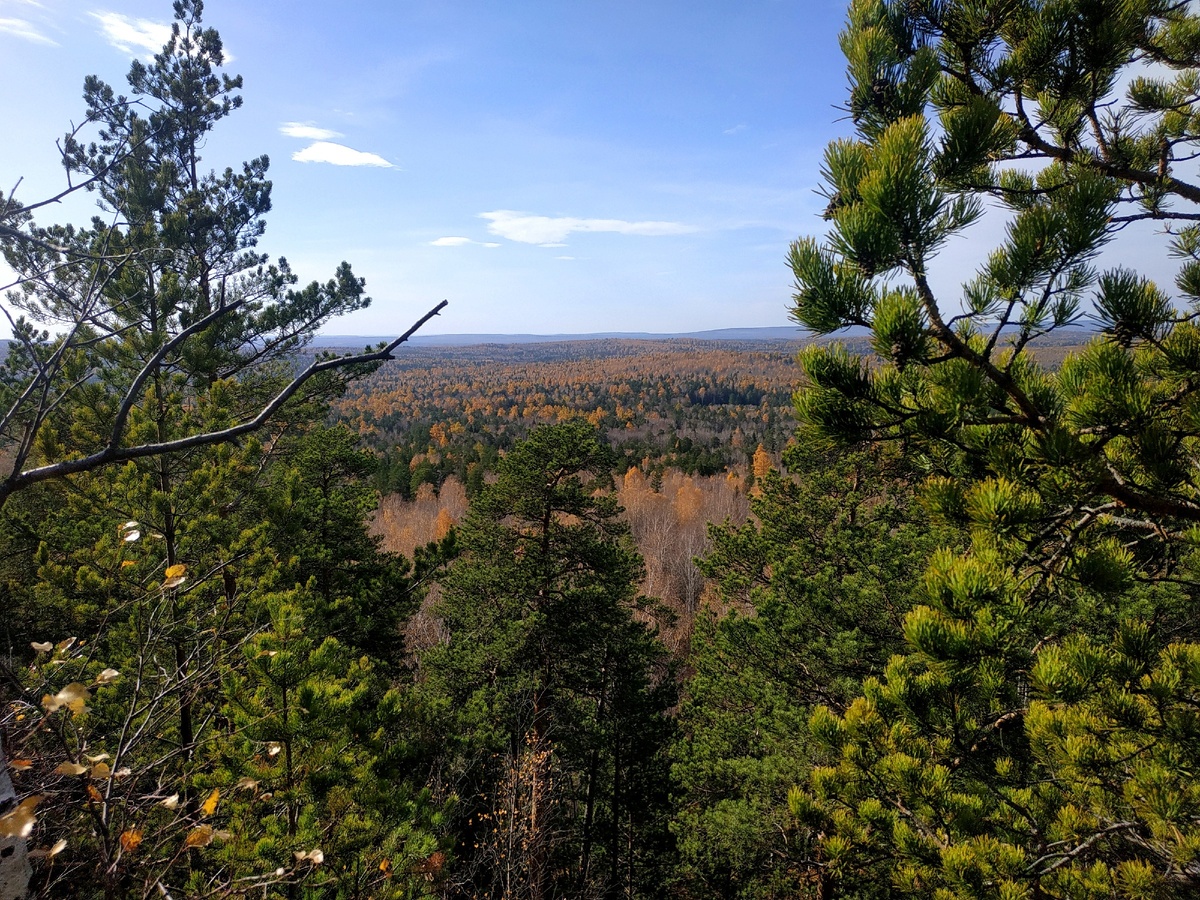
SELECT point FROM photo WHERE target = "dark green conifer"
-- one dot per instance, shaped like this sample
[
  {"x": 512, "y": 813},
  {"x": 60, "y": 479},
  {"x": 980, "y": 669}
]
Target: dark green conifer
[{"x": 552, "y": 692}]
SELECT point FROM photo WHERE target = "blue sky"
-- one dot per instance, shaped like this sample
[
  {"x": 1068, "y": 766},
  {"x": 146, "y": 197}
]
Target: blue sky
[{"x": 546, "y": 167}]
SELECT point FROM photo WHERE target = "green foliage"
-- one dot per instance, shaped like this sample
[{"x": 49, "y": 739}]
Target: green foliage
[
  {"x": 551, "y": 694},
  {"x": 1033, "y": 740},
  {"x": 319, "y": 507},
  {"x": 222, "y": 722},
  {"x": 818, "y": 591}
]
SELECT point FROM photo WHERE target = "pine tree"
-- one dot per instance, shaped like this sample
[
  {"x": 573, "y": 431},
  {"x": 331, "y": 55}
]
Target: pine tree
[
  {"x": 175, "y": 339},
  {"x": 552, "y": 692},
  {"x": 1037, "y": 737},
  {"x": 816, "y": 590},
  {"x": 319, "y": 505}
]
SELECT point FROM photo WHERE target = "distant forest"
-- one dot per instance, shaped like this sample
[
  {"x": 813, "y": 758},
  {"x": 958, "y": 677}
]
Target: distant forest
[{"x": 701, "y": 407}]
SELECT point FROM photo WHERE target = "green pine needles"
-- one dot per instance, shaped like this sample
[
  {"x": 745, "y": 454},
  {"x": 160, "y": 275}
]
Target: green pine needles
[{"x": 1038, "y": 736}]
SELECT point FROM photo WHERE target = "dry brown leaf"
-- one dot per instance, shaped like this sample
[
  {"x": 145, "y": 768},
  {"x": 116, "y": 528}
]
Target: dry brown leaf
[
  {"x": 20, "y": 765},
  {"x": 101, "y": 770},
  {"x": 47, "y": 852},
  {"x": 108, "y": 676},
  {"x": 94, "y": 794},
  {"x": 41, "y": 646},
  {"x": 131, "y": 839},
  {"x": 170, "y": 802},
  {"x": 200, "y": 836},
  {"x": 246, "y": 784},
  {"x": 70, "y": 768}
]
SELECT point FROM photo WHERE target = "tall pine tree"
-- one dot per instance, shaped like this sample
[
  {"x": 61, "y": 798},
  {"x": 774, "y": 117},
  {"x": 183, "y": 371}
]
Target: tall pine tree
[{"x": 551, "y": 690}]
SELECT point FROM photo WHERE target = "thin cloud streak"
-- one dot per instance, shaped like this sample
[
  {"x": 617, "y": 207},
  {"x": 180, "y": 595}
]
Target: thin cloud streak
[
  {"x": 339, "y": 155},
  {"x": 26, "y": 31},
  {"x": 458, "y": 241},
  {"x": 547, "y": 231},
  {"x": 307, "y": 131}
]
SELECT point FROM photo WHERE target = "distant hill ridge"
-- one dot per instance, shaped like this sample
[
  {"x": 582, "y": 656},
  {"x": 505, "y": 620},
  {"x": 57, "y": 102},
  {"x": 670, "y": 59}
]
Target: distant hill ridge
[
  {"x": 1070, "y": 335},
  {"x": 775, "y": 333}
]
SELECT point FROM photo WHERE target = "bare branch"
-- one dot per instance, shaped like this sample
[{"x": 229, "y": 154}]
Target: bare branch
[{"x": 113, "y": 452}]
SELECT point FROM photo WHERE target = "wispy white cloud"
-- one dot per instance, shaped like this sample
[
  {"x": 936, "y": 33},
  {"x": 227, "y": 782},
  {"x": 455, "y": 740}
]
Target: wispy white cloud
[
  {"x": 741, "y": 126},
  {"x": 26, "y": 31},
  {"x": 137, "y": 37},
  {"x": 339, "y": 155},
  {"x": 547, "y": 231},
  {"x": 307, "y": 131},
  {"x": 456, "y": 241}
]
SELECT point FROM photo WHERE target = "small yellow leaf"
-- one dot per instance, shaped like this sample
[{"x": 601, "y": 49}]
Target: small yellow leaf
[
  {"x": 67, "y": 644},
  {"x": 73, "y": 697},
  {"x": 126, "y": 563},
  {"x": 174, "y": 576},
  {"x": 99, "y": 757},
  {"x": 200, "y": 836},
  {"x": 386, "y": 866},
  {"x": 170, "y": 802},
  {"x": 101, "y": 770},
  {"x": 94, "y": 794},
  {"x": 210, "y": 805},
  {"x": 70, "y": 768},
  {"x": 19, "y": 822},
  {"x": 131, "y": 839}
]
